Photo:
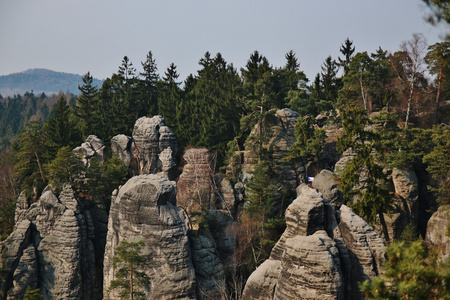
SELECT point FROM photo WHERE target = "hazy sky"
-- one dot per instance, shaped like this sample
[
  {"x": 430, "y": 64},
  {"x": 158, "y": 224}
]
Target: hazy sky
[{"x": 76, "y": 36}]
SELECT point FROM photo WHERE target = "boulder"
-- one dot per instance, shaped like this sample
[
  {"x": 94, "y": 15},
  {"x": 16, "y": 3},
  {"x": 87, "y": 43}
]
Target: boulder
[{"x": 144, "y": 209}]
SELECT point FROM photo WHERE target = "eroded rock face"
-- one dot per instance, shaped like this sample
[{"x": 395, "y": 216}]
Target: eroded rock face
[
  {"x": 326, "y": 184},
  {"x": 323, "y": 253},
  {"x": 151, "y": 149},
  {"x": 144, "y": 209},
  {"x": 194, "y": 185},
  {"x": 311, "y": 263},
  {"x": 53, "y": 249},
  {"x": 151, "y": 136},
  {"x": 92, "y": 147},
  {"x": 436, "y": 231}
]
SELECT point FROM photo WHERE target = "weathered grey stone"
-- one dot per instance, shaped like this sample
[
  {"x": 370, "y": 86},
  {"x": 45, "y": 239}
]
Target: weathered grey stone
[
  {"x": 262, "y": 282},
  {"x": 436, "y": 231},
  {"x": 407, "y": 188},
  {"x": 151, "y": 137},
  {"x": 25, "y": 275},
  {"x": 10, "y": 251},
  {"x": 143, "y": 209},
  {"x": 221, "y": 226},
  {"x": 121, "y": 145},
  {"x": 60, "y": 256},
  {"x": 92, "y": 147},
  {"x": 22, "y": 206},
  {"x": 304, "y": 216},
  {"x": 310, "y": 269},
  {"x": 321, "y": 254},
  {"x": 208, "y": 268},
  {"x": 366, "y": 246},
  {"x": 326, "y": 184}
]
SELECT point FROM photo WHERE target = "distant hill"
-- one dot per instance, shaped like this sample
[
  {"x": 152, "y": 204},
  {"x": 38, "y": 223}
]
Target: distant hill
[{"x": 41, "y": 80}]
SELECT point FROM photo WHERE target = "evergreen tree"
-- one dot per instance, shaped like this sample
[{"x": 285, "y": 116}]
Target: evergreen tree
[
  {"x": 128, "y": 278},
  {"x": 148, "y": 86},
  {"x": 169, "y": 96},
  {"x": 64, "y": 168},
  {"x": 438, "y": 59},
  {"x": 86, "y": 108},
  {"x": 31, "y": 155},
  {"x": 330, "y": 83},
  {"x": 411, "y": 272},
  {"x": 60, "y": 129},
  {"x": 347, "y": 50},
  {"x": 371, "y": 199},
  {"x": 126, "y": 70}
]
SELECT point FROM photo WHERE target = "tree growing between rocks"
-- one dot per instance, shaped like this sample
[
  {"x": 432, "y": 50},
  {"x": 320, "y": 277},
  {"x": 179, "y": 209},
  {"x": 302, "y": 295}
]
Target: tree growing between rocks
[{"x": 128, "y": 279}]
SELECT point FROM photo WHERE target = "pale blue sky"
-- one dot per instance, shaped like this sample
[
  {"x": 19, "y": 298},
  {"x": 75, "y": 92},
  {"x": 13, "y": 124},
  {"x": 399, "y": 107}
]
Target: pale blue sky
[{"x": 76, "y": 36}]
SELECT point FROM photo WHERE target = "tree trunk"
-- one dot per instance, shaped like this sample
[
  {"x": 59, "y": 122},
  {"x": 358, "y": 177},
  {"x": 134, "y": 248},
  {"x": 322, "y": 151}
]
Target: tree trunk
[
  {"x": 39, "y": 165},
  {"x": 408, "y": 110},
  {"x": 384, "y": 226},
  {"x": 438, "y": 94},
  {"x": 131, "y": 282}
]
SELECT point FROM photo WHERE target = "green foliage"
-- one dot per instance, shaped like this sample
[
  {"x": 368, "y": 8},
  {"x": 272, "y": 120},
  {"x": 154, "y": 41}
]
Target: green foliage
[
  {"x": 86, "y": 104},
  {"x": 411, "y": 272},
  {"x": 370, "y": 197},
  {"x": 438, "y": 161},
  {"x": 31, "y": 155},
  {"x": 128, "y": 279},
  {"x": 102, "y": 179},
  {"x": 309, "y": 141},
  {"x": 8, "y": 193},
  {"x": 32, "y": 294},
  {"x": 66, "y": 167}
]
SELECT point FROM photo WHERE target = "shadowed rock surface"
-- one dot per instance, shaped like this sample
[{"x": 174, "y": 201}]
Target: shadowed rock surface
[{"x": 52, "y": 248}]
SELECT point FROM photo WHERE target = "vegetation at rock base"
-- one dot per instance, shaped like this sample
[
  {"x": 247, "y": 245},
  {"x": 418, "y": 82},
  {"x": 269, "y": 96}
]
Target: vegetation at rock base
[
  {"x": 411, "y": 272},
  {"x": 128, "y": 279}
]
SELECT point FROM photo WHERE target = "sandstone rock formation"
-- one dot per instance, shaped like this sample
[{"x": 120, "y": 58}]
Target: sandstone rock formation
[
  {"x": 92, "y": 147},
  {"x": 327, "y": 185},
  {"x": 195, "y": 184},
  {"x": 436, "y": 231},
  {"x": 144, "y": 209},
  {"x": 323, "y": 253},
  {"x": 152, "y": 148},
  {"x": 53, "y": 247}
]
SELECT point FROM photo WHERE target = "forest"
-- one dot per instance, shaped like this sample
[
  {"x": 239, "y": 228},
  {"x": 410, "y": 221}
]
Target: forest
[{"x": 393, "y": 108}]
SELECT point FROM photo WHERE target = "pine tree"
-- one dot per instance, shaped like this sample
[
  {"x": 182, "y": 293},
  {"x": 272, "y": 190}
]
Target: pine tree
[
  {"x": 128, "y": 279},
  {"x": 169, "y": 96},
  {"x": 148, "y": 86},
  {"x": 65, "y": 167},
  {"x": 347, "y": 50},
  {"x": 86, "y": 103},
  {"x": 31, "y": 155}
]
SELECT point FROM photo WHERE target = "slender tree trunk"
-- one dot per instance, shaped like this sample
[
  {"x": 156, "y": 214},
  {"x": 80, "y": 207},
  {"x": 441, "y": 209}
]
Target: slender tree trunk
[
  {"x": 384, "y": 226},
  {"x": 39, "y": 165},
  {"x": 438, "y": 95},
  {"x": 408, "y": 110},
  {"x": 131, "y": 282}
]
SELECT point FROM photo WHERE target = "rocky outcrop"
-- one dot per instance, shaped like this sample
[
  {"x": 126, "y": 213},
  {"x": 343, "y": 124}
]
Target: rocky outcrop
[
  {"x": 323, "y": 253},
  {"x": 52, "y": 248},
  {"x": 151, "y": 149},
  {"x": 92, "y": 147},
  {"x": 195, "y": 184},
  {"x": 144, "y": 209},
  {"x": 327, "y": 185},
  {"x": 436, "y": 231}
]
